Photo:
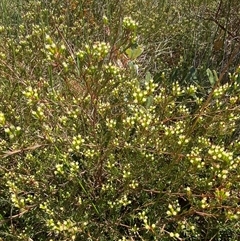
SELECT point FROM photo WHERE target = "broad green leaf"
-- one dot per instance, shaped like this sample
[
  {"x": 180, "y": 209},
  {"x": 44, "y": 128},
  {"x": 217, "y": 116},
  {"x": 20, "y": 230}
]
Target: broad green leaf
[
  {"x": 149, "y": 101},
  {"x": 212, "y": 76},
  {"x": 134, "y": 53},
  {"x": 148, "y": 76}
]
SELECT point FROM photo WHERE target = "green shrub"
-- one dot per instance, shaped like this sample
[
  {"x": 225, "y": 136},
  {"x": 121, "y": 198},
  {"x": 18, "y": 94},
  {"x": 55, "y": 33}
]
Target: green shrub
[{"x": 93, "y": 147}]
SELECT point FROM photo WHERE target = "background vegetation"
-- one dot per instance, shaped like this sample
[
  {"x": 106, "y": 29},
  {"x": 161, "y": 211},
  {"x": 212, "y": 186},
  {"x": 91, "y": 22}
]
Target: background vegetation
[{"x": 119, "y": 120}]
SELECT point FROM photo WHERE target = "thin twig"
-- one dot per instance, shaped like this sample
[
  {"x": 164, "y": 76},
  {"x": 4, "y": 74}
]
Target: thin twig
[{"x": 13, "y": 152}]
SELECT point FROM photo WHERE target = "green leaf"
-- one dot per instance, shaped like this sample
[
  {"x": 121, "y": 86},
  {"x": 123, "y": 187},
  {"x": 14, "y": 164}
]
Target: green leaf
[
  {"x": 134, "y": 53},
  {"x": 148, "y": 76},
  {"x": 215, "y": 75},
  {"x": 212, "y": 76},
  {"x": 149, "y": 101}
]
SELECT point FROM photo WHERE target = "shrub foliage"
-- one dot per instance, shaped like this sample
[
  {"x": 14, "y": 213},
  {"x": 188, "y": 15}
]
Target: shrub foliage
[{"x": 119, "y": 120}]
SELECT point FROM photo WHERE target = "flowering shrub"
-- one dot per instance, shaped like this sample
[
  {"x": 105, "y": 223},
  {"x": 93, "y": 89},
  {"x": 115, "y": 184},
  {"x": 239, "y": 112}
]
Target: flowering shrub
[{"x": 92, "y": 150}]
